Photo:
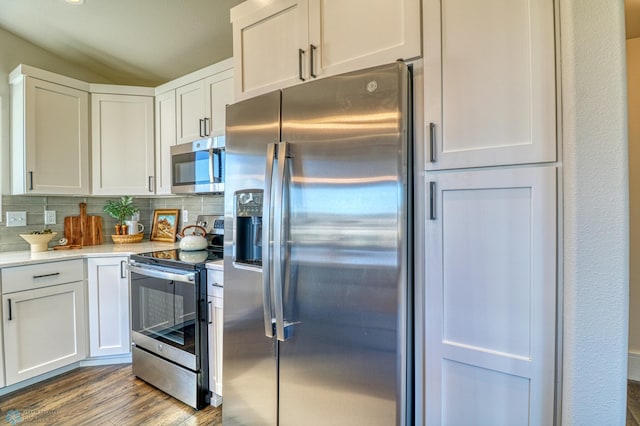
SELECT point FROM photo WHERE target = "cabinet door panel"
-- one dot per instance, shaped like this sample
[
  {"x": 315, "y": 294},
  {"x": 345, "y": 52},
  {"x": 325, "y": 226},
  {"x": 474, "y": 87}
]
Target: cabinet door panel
[
  {"x": 219, "y": 89},
  {"x": 356, "y": 34},
  {"x": 57, "y": 139},
  {"x": 123, "y": 143},
  {"x": 108, "y": 296},
  {"x": 44, "y": 330},
  {"x": 265, "y": 47},
  {"x": 165, "y": 138},
  {"x": 491, "y": 297},
  {"x": 490, "y": 82},
  {"x": 190, "y": 110}
]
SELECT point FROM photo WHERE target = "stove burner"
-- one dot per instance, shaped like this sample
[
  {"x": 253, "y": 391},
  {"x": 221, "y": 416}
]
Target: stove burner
[{"x": 176, "y": 257}]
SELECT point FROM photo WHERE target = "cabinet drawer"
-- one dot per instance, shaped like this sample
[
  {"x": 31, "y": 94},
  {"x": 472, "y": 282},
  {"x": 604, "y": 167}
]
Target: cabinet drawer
[
  {"x": 215, "y": 281},
  {"x": 28, "y": 277}
]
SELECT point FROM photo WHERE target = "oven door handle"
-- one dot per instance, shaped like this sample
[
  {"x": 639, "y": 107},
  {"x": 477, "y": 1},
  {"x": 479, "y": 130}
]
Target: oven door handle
[{"x": 189, "y": 278}]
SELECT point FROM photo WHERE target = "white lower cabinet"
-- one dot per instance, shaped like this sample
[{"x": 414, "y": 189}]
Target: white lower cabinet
[
  {"x": 43, "y": 319},
  {"x": 491, "y": 297},
  {"x": 216, "y": 323},
  {"x": 108, "y": 296}
]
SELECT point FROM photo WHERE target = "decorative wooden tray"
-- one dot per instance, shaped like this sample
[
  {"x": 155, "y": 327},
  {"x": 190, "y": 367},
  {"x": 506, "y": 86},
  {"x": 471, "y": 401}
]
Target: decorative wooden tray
[{"x": 127, "y": 239}]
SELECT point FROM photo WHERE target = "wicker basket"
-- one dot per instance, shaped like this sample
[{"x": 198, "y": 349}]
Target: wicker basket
[{"x": 127, "y": 239}]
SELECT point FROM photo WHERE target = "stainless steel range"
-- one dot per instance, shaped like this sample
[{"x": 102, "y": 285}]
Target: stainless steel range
[{"x": 169, "y": 317}]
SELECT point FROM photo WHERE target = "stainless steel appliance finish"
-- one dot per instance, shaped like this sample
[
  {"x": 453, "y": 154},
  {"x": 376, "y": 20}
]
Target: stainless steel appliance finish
[
  {"x": 198, "y": 167},
  {"x": 169, "y": 323},
  {"x": 179, "y": 382},
  {"x": 318, "y": 330}
]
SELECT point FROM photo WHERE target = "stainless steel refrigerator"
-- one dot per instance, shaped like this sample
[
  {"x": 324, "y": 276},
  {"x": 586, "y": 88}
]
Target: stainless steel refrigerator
[{"x": 318, "y": 253}]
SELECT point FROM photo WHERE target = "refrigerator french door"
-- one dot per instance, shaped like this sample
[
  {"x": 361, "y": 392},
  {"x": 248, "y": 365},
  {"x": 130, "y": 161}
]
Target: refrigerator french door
[{"x": 317, "y": 326}]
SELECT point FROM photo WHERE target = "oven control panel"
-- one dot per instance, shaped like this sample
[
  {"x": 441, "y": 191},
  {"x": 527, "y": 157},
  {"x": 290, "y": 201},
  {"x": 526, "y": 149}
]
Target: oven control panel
[{"x": 211, "y": 223}]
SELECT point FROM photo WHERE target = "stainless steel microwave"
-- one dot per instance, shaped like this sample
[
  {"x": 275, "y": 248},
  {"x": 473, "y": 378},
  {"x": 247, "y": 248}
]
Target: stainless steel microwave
[{"x": 198, "y": 167}]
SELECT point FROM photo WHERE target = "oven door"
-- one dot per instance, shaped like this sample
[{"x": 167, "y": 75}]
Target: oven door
[{"x": 164, "y": 317}]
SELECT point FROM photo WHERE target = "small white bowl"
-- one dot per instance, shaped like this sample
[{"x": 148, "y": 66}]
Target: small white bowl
[{"x": 38, "y": 242}]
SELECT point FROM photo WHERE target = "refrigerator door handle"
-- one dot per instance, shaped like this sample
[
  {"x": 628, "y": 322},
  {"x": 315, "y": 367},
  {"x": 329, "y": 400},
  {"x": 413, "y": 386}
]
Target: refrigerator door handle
[
  {"x": 267, "y": 240},
  {"x": 278, "y": 229}
]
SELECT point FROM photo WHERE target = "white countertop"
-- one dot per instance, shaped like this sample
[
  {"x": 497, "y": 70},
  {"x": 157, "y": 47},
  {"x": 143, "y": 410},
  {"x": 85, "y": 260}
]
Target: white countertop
[{"x": 16, "y": 258}]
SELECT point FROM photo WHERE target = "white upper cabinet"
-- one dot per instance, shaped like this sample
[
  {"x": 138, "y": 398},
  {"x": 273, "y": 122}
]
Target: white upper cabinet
[
  {"x": 190, "y": 106},
  {"x": 50, "y": 135},
  {"x": 200, "y": 107},
  {"x": 290, "y": 41},
  {"x": 269, "y": 45},
  {"x": 165, "y": 117},
  {"x": 355, "y": 34},
  {"x": 122, "y": 144},
  {"x": 489, "y": 82},
  {"x": 218, "y": 94}
]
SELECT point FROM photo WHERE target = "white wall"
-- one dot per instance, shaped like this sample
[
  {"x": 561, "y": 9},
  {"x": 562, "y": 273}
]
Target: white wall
[
  {"x": 15, "y": 51},
  {"x": 596, "y": 231},
  {"x": 633, "y": 90}
]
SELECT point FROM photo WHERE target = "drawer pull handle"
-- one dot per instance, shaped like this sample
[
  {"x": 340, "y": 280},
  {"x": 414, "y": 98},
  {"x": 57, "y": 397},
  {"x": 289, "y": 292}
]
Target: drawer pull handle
[
  {"x": 10, "y": 313},
  {"x": 35, "y": 277}
]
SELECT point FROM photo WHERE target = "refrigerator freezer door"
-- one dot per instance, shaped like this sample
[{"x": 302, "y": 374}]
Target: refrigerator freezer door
[
  {"x": 249, "y": 357},
  {"x": 345, "y": 227}
]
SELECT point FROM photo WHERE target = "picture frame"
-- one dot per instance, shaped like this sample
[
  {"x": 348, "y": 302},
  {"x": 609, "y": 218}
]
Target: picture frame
[{"x": 165, "y": 225}]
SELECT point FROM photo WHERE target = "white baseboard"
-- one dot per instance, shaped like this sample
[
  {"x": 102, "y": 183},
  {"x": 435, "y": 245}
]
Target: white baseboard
[
  {"x": 34, "y": 380},
  {"x": 106, "y": 360},
  {"x": 89, "y": 362},
  {"x": 633, "y": 366}
]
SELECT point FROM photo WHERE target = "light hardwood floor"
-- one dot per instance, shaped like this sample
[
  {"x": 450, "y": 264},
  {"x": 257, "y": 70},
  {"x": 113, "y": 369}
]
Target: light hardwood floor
[
  {"x": 101, "y": 396},
  {"x": 633, "y": 403}
]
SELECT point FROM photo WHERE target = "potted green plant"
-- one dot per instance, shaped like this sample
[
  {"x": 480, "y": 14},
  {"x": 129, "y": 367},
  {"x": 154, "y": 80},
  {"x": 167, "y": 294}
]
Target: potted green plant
[{"x": 121, "y": 210}]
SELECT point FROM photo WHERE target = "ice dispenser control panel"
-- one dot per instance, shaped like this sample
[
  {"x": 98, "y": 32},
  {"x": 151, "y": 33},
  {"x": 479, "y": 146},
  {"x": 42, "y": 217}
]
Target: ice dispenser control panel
[
  {"x": 248, "y": 235},
  {"x": 249, "y": 203}
]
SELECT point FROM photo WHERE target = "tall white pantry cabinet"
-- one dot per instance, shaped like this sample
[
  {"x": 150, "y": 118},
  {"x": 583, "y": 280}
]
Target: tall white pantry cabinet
[{"x": 490, "y": 225}]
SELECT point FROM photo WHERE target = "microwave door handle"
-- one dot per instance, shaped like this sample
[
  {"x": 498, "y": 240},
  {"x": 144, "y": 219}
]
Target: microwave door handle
[
  {"x": 212, "y": 157},
  {"x": 267, "y": 240}
]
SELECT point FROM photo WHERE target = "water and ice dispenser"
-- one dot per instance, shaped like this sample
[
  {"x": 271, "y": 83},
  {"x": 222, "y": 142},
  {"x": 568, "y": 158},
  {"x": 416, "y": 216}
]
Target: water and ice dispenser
[{"x": 248, "y": 211}]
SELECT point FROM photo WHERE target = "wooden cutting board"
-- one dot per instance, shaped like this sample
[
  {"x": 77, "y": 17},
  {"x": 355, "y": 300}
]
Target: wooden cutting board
[{"x": 83, "y": 230}]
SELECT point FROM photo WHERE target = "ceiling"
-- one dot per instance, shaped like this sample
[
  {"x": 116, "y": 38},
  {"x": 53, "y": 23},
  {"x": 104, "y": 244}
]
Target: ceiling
[
  {"x": 131, "y": 42},
  {"x": 144, "y": 42}
]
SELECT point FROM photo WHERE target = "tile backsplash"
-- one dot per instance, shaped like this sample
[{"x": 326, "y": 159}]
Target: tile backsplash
[{"x": 70, "y": 206}]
